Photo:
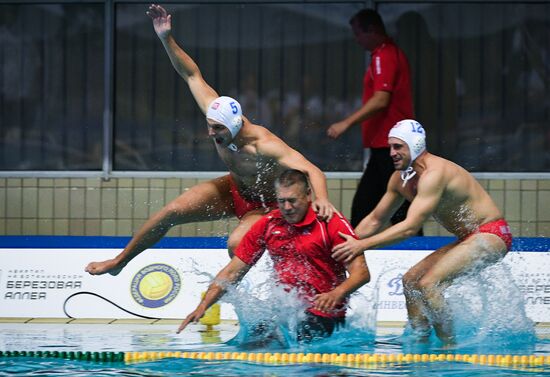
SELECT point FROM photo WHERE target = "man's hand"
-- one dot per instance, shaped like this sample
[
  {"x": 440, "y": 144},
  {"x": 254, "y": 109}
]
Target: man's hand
[
  {"x": 162, "y": 21},
  {"x": 193, "y": 317},
  {"x": 337, "y": 129},
  {"x": 99, "y": 268},
  {"x": 327, "y": 302},
  {"x": 346, "y": 251},
  {"x": 323, "y": 208}
]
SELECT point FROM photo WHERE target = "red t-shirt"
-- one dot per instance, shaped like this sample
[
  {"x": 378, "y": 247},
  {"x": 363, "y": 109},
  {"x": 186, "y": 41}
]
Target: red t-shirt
[
  {"x": 388, "y": 71},
  {"x": 301, "y": 253}
]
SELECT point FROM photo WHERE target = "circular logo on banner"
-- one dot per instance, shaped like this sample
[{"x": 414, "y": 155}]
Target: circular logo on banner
[{"x": 155, "y": 285}]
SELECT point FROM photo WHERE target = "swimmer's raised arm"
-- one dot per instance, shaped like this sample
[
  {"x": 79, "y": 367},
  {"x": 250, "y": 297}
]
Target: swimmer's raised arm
[{"x": 203, "y": 93}]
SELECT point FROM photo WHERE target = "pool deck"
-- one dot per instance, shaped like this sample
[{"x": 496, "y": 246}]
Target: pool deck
[{"x": 383, "y": 327}]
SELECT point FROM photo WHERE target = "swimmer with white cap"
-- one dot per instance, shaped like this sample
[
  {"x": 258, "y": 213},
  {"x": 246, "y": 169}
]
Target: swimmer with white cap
[
  {"x": 442, "y": 189},
  {"x": 225, "y": 111},
  {"x": 412, "y": 133},
  {"x": 253, "y": 155}
]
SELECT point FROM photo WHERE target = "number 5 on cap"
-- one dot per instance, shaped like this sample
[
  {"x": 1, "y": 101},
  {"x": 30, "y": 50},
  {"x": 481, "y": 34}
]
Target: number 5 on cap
[{"x": 234, "y": 107}]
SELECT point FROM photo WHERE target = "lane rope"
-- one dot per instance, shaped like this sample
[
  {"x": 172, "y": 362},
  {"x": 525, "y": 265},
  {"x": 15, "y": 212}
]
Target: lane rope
[{"x": 290, "y": 358}]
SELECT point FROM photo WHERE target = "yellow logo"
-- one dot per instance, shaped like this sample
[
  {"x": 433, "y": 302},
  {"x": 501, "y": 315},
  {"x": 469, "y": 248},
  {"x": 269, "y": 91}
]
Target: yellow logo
[{"x": 155, "y": 285}]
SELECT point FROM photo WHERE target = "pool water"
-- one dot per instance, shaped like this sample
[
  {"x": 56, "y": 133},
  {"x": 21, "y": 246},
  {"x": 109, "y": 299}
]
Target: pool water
[
  {"x": 491, "y": 323},
  {"x": 126, "y": 336}
]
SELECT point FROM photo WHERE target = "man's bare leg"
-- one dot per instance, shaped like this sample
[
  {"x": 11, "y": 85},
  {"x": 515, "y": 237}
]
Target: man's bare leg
[
  {"x": 440, "y": 313},
  {"x": 244, "y": 226},
  {"x": 206, "y": 201},
  {"x": 474, "y": 253},
  {"x": 417, "y": 309}
]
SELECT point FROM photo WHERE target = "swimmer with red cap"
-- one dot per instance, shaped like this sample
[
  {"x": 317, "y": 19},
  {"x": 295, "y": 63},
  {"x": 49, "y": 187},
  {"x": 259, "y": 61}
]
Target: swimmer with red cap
[
  {"x": 440, "y": 188},
  {"x": 253, "y": 155}
]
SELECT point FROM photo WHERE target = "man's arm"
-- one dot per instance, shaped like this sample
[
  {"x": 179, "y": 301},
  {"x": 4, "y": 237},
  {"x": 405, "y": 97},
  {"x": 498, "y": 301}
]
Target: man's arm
[
  {"x": 379, "y": 101},
  {"x": 230, "y": 274},
  {"x": 183, "y": 64},
  {"x": 249, "y": 251},
  {"x": 275, "y": 148},
  {"x": 430, "y": 189},
  {"x": 384, "y": 210},
  {"x": 358, "y": 276}
]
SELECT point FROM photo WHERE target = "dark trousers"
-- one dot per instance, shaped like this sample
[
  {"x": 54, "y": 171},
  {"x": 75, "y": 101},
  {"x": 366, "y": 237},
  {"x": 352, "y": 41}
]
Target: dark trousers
[
  {"x": 311, "y": 328},
  {"x": 316, "y": 327},
  {"x": 373, "y": 186}
]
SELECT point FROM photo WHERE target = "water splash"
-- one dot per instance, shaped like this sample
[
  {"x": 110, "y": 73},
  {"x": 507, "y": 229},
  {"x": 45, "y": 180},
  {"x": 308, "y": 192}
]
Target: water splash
[
  {"x": 359, "y": 332},
  {"x": 488, "y": 311},
  {"x": 269, "y": 316},
  {"x": 496, "y": 314},
  {"x": 272, "y": 323},
  {"x": 268, "y": 321},
  {"x": 262, "y": 169}
]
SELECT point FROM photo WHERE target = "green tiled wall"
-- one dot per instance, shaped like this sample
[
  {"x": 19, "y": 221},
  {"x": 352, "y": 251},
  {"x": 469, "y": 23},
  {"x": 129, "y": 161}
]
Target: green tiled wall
[{"x": 118, "y": 207}]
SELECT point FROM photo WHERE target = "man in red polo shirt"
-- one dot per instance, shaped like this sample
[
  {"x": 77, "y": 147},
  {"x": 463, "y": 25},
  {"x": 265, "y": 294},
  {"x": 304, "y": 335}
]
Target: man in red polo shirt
[
  {"x": 300, "y": 246},
  {"x": 387, "y": 99}
]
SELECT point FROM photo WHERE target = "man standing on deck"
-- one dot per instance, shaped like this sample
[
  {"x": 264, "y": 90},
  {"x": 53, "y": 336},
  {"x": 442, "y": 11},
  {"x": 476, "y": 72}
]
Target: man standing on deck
[
  {"x": 387, "y": 99},
  {"x": 439, "y": 188},
  {"x": 253, "y": 155},
  {"x": 300, "y": 246}
]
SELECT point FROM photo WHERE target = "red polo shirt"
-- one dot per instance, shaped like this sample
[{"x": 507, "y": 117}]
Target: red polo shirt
[
  {"x": 388, "y": 71},
  {"x": 301, "y": 252}
]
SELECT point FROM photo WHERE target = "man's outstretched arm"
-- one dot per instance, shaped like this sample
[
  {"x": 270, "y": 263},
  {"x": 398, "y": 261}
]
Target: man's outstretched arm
[
  {"x": 230, "y": 274},
  {"x": 203, "y": 93},
  {"x": 430, "y": 189}
]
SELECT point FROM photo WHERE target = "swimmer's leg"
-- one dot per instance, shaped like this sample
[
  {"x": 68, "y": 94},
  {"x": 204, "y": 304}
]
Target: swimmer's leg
[
  {"x": 206, "y": 201},
  {"x": 244, "y": 226},
  {"x": 417, "y": 308},
  {"x": 459, "y": 258}
]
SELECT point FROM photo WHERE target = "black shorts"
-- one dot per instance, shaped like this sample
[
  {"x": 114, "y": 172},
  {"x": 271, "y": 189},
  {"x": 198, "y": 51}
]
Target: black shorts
[
  {"x": 312, "y": 327},
  {"x": 316, "y": 327}
]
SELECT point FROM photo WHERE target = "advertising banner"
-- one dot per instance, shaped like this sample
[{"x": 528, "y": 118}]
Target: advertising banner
[{"x": 167, "y": 283}]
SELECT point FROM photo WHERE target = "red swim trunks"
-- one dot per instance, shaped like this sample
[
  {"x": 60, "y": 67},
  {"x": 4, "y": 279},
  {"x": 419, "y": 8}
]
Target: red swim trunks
[
  {"x": 499, "y": 228},
  {"x": 243, "y": 206}
]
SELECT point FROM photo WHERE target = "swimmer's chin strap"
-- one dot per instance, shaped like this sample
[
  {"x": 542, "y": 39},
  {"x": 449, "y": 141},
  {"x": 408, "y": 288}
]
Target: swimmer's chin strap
[
  {"x": 407, "y": 174},
  {"x": 236, "y": 125}
]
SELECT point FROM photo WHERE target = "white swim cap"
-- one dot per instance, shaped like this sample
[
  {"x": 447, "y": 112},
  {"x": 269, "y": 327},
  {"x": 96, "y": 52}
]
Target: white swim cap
[
  {"x": 412, "y": 133},
  {"x": 226, "y": 111}
]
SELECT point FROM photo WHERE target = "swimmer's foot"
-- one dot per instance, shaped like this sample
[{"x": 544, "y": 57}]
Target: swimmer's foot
[
  {"x": 449, "y": 342},
  {"x": 99, "y": 268},
  {"x": 421, "y": 334},
  {"x": 445, "y": 333}
]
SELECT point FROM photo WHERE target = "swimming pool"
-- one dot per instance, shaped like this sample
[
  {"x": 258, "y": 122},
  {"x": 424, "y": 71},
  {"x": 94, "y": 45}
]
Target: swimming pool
[
  {"x": 35, "y": 290},
  {"x": 144, "y": 348}
]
